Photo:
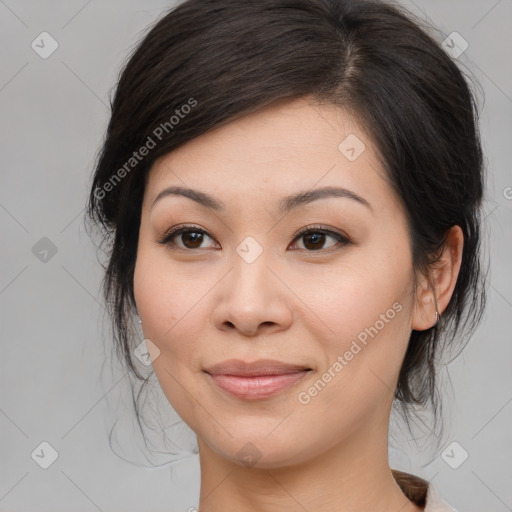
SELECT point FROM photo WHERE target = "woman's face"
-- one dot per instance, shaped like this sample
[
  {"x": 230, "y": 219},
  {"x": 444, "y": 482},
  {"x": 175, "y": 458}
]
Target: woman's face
[{"x": 242, "y": 284}]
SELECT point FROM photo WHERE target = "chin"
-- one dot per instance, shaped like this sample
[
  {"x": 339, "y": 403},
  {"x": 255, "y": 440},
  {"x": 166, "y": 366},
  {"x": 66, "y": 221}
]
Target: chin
[{"x": 258, "y": 452}]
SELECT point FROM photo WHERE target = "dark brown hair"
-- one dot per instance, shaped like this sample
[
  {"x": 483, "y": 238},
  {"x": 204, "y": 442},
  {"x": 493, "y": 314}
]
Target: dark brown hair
[{"x": 224, "y": 59}]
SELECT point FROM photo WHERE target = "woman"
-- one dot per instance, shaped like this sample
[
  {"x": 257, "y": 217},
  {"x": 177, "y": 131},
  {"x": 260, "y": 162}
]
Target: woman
[{"x": 292, "y": 193}]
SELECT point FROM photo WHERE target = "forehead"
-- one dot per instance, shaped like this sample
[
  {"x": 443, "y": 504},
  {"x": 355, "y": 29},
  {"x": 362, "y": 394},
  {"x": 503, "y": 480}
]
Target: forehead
[{"x": 290, "y": 146}]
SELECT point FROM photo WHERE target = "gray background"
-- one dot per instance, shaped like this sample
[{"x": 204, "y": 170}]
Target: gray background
[{"x": 56, "y": 382}]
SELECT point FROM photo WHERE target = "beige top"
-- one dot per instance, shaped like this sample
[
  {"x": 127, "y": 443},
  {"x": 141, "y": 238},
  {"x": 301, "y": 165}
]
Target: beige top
[{"x": 421, "y": 492}]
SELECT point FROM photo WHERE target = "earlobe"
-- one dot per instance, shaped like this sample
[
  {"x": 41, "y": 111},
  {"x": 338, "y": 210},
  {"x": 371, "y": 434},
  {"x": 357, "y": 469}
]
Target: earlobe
[{"x": 435, "y": 291}]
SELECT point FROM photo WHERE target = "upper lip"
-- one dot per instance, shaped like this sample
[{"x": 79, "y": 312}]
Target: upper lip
[{"x": 259, "y": 367}]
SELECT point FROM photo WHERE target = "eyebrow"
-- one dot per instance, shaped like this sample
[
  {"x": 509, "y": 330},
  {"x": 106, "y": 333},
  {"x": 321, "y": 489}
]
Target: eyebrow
[{"x": 285, "y": 205}]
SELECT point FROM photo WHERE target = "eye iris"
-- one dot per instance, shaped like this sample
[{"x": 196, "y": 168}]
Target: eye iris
[
  {"x": 194, "y": 236},
  {"x": 318, "y": 240}
]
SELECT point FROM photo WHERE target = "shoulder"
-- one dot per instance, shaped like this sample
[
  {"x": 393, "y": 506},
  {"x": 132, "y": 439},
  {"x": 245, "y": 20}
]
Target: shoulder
[{"x": 421, "y": 492}]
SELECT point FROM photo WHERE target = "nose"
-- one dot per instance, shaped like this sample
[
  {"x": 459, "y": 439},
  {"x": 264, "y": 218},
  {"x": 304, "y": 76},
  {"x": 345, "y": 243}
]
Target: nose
[{"x": 253, "y": 298}]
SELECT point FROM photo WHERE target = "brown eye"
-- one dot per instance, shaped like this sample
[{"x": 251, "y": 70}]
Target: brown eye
[
  {"x": 192, "y": 239},
  {"x": 189, "y": 237},
  {"x": 315, "y": 238},
  {"x": 314, "y": 241}
]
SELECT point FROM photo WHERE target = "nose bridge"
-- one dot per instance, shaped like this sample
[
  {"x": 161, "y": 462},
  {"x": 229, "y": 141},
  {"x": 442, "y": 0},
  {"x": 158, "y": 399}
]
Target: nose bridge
[
  {"x": 251, "y": 275},
  {"x": 251, "y": 294}
]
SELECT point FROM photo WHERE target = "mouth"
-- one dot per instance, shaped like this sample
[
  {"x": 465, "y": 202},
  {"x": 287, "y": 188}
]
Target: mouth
[{"x": 255, "y": 380}]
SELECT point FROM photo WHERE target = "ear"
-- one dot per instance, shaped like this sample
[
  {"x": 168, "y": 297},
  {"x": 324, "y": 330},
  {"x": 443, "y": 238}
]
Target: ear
[{"x": 435, "y": 291}]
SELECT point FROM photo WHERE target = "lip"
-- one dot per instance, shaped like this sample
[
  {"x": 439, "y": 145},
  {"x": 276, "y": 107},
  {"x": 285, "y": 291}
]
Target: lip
[
  {"x": 255, "y": 380},
  {"x": 254, "y": 368}
]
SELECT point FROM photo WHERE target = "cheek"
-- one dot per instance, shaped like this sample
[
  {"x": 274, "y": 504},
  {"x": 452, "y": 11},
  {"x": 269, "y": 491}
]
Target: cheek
[
  {"x": 165, "y": 301},
  {"x": 353, "y": 295},
  {"x": 169, "y": 308},
  {"x": 366, "y": 306},
  {"x": 174, "y": 300}
]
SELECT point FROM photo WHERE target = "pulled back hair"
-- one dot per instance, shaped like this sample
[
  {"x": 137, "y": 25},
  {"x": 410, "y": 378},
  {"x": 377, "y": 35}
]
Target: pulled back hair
[{"x": 225, "y": 59}]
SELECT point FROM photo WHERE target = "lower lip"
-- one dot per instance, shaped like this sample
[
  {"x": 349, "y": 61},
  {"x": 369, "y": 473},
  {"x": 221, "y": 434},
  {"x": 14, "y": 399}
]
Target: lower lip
[{"x": 261, "y": 386}]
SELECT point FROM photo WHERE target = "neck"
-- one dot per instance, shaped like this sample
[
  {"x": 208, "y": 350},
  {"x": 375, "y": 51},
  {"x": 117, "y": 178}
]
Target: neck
[{"x": 351, "y": 476}]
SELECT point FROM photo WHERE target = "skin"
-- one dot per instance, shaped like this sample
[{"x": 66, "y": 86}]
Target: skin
[{"x": 201, "y": 306}]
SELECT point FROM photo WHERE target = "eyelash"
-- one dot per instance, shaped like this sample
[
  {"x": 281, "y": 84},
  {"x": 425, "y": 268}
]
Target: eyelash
[{"x": 174, "y": 232}]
